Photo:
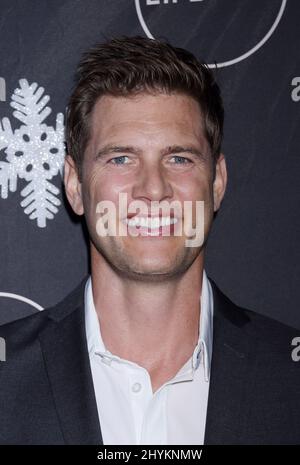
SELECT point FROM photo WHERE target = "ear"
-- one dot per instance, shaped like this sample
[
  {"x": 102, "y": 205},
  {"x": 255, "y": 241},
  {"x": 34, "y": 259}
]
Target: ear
[
  {"x": 220, "y": 181},
  {"x": 73, "y": 185}
]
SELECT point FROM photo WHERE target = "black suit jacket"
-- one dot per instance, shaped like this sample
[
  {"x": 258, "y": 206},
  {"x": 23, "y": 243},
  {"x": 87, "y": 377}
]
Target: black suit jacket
[{"x": 47, "y": 394}]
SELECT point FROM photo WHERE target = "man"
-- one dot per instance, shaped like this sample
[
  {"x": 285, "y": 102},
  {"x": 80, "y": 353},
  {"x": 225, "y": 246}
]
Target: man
[{"x": 147, "y": 350}]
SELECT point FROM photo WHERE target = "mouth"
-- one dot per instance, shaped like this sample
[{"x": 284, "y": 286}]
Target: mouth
[{"x": 151, "y": 225}]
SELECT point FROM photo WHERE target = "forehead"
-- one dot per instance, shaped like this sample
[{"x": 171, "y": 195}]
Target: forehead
[{"x": 146, "y": 114}]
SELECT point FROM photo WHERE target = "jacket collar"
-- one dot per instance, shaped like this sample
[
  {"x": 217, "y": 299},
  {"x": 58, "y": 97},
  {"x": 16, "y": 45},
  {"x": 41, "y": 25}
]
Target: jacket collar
[
  {"x": 67, "y": 364},
  {"x": 232, "y": 372}
]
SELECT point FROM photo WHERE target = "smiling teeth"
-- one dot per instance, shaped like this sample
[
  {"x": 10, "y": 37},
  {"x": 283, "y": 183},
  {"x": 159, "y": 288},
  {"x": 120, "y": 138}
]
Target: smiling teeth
[{"x": 152, "y": 223}]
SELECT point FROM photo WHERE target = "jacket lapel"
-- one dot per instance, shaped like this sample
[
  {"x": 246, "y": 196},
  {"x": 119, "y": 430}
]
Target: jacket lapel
[
  {"x": 232, "y": 371},
  {"x": 67, "y": 363}
]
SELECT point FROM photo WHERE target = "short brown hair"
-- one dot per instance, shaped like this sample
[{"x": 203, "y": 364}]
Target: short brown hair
[{"x": 129, "y": 65}]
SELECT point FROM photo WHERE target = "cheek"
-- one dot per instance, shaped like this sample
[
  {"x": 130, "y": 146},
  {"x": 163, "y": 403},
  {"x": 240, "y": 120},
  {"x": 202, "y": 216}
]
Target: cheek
[
  {"x": 195, "y": 188},
  {"x": 198, "y": 195},
  {"x": 99, "y": 189}
]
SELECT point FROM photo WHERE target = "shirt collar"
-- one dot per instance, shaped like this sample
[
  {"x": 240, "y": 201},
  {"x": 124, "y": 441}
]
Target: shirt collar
[{"x": 204, "y": 344}]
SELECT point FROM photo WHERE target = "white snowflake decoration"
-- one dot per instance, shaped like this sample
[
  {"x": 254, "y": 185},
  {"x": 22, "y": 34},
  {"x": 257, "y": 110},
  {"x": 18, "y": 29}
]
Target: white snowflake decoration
[{"x": 34, "y": 152}]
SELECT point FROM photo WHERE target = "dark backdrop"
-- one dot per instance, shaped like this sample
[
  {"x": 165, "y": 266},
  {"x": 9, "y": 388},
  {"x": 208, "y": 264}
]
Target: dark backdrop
[{"x": 253, "y": 249}]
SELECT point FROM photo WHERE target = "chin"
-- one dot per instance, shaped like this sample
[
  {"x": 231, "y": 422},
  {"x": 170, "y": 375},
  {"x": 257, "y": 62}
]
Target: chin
[
  {"x": 151, "y": 271},
  {"x": 154, "y": 276}
]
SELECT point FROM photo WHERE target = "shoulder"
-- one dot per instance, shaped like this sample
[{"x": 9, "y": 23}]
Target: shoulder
[
  {"x": 33, "y": 324},
  {"x": 272, "y": 335},
  {"x": 263, "y": 331}
]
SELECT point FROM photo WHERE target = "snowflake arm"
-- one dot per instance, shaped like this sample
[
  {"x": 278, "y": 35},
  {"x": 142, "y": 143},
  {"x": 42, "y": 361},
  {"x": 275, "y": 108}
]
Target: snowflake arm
[
  {"x": 8, "y": 171},
  {"x": 29, "y": 109},
  {"x": 40, "y": 201}
]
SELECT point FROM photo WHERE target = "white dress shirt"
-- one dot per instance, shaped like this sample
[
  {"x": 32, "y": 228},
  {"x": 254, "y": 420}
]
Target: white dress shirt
[{"x": 129, "y": 412}]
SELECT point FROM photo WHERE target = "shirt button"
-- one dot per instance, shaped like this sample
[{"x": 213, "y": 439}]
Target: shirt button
[{"x": 136, "y": 387}]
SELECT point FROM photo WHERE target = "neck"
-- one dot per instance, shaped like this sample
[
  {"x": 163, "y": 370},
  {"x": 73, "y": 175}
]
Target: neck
[{"x": 148, "y": 322}]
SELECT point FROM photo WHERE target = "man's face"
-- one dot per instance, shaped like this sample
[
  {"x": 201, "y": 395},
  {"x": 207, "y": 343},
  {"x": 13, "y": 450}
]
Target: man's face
[{"x": 152, "y": 148}]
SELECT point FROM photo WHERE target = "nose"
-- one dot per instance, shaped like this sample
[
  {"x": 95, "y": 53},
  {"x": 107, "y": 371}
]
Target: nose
[{"x": 152, "y": 183}]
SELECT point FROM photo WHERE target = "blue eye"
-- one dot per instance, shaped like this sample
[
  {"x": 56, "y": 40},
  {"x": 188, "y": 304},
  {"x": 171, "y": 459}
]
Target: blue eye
[
  {"x": 120, "y": 158},
  {"x": 177, "y": 157}
]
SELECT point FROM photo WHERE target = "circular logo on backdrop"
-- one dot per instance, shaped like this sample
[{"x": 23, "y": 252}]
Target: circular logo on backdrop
[
  {"x": 21, "y": 298},
  {"x": 221, "y": 33}
]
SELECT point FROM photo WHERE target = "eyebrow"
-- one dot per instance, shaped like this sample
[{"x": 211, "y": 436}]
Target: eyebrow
[{"x": 171, "y": 149}]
